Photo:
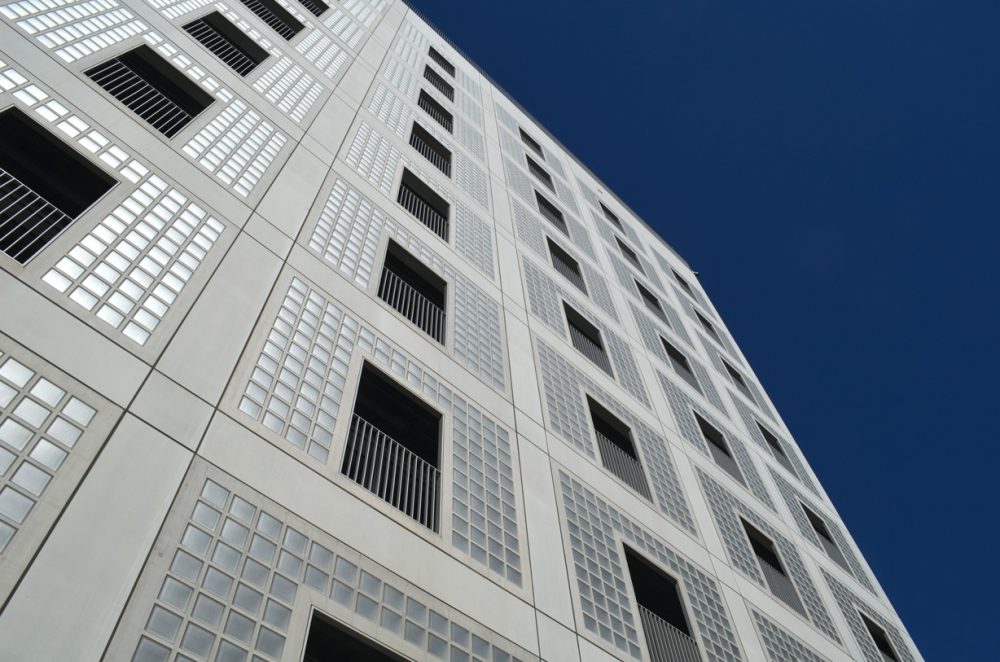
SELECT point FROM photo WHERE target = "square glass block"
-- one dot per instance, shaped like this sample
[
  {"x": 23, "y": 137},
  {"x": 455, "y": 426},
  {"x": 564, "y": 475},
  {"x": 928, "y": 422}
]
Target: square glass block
[{"x": 239, "y": 627}]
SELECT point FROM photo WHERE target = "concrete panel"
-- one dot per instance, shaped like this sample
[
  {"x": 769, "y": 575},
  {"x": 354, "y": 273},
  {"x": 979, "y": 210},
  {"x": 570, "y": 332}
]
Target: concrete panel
[{"x": 172, "y": 410}]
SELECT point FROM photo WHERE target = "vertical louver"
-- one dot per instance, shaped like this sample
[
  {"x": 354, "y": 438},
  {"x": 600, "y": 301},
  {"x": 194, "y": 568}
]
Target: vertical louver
[
  {"x": 435, "y": 110},
  {"x": 276, "y": 17},
  {"x": 227, "y": 42},
  {"x": 440, "y": 83},
  {"x": 426, "y": 206}
]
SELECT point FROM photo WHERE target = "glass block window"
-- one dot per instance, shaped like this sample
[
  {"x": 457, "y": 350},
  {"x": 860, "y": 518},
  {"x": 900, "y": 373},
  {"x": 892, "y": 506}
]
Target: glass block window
[
  {"x": 431, "y": 148},
  {"x": 227, "y": 42},
  {"x": 441, "y": 61},
  {"x": 276, "y": 17},
  {"x": 442, "y": 86},
  {"x": 436, "y": 111}
]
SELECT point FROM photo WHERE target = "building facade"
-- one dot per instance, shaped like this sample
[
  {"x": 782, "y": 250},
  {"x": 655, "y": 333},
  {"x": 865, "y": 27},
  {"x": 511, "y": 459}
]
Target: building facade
[{"x": 314, "y": 345}]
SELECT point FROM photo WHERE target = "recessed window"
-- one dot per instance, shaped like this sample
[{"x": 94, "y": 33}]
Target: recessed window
[
  {"x": 436, "y": 111},
  {"x": 719, "y": 449},
  {"x": 614, "y": 441},
  {"x": 661, "y": 610},
  {"x": 708, "y": 326},
  {"x": 611, "y": 216},
  {"x": 393, "y": 447},
  {"x": 539, "y": 173},
  {"x": 880, "y": 638},
  {"x": 531, "y": 142},
  {"x": 825, "y": 537},
  {"x": 44, "y": 186},
  {"x": 564, "y": 263},
  {"x": 441, "y": 61},
  {"x": 424, "y": 203},
  {"x": 227, "y": 42},
  {"x": 652, "y": 303},
  {"x": 630, "y": 255},
  {"x": 413, "y": 290},
  {"x": 738, "y": 379},
  {"x": 587, "y": 339},
  {"x": 152, "y": 89},
  {"x": 682, "y": 282},
  {"x": 331, "y": 642},
  {"x": 551, "y": 213},
  {"x": 317, "y": 7},
  {"x": 431, "y": 148},
  {"x": 773, "y": 570},
  {"x": 443, "y": 86},
  {"x": 276, "y": 17},
  {"x": 680, "y": 364},
  {"x": 777, "y": 448}
]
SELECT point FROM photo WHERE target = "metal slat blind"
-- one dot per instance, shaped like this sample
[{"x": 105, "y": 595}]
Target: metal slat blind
[
  {"x": 781, "y": 586},
  {"x": 233, "y": 56},
  {"x": 553, "y": 215},
  {"x": 537, "y": 171},
  {"x": 141, "y": 97},
  {"x": 28, "y": 222},
  {"x": 725, "y": 460},
  {"x": 441, "y": 161},
  {"x": 286, "y": 26},
  {"x": 413, "y": 305},
  {"x": 426, "y": 214},
  {"x": 594, "y": 352},
  {"x": 570, "y": 271},
  {"x": 440, "y": 83},
  {"x": 622, "y": 465},
  {"x": 665, "y": 642},
  {"x": 434, "y": 109},
  {"x": 441, "y": 61},
  {"x": 317, "y": 7}
]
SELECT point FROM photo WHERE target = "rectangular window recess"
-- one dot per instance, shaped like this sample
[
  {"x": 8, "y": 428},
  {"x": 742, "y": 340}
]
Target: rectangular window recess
[
  {"x": 540, "y": 173},
  {"x": 880, "y": 638},
  {"x": 618, "y": 455},
  {"x": 44, "y": 185},
  {"x": 317, "y": 7},
  {"x": 770, "y": 565},
  {"x": 441, "y": 61},
  {"x": 424, "y": 203},
  {"x": 551, "y": 213},
  {"x": 531, "y": 142},
  {"x": 437, "y": 112},
  {"x": 652, "y": 303},
  {"x": 738, "y": 380},
  {"x": 393, "y": 447},
  {"x": 610, "y": 215},
  {"x": 151, "y": 88},
  {"x": 630, "y": 255},
  {"x": 661, "y": 610},
  {"x": 719, "y": 449},
  {"x": 413, "y": 290},
  {"x": 682, "y": 282},
  {"x": 825, "y": 537},
  {"x": 431, "y": 148},
  {"x": 435, "y": 79},
  {"x": 776, "y": 448},
  {"x": 564, "y": 263},
  {"x": 276, "y": 17},
  {"x": 680, "y": 364},
  {"x": 227, "y": 42},
  {"x": 329, "y": 641},
  {"x": 708, "y": 326},
  {"x": 587, "y": 339}
]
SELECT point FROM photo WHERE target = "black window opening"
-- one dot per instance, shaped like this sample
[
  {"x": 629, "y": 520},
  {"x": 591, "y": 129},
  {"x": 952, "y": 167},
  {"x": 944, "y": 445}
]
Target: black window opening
[
  {"x": 738, "y": 380},
  {"x": 630, "y": 255},
  {"x": 551, "y": 213},
  {"x": 531, "y": 142},
  {"x": 227, "y": 42},
  {"x": 45, "y": 185},
  {"x": 539, "y": 172},
  {"x": 719, "y": 449},
  {"x": 652, "y": 303},
  {"x": 880, "y": 638},
  {"x": 708, "y": 326},
  {"x": 151, "y": 88},
  {"x": 680, "y": 364},
  {"x": 661, "y": 610},
  {"x": 770, "y": 565},
  {"x": 443, "y": 86},
  {"x": 331, "y": 642},
  {"x": 276, "y": 17},
  {"x": 436, "y": 111},
  {"x": 317, "y": 7},
  {"x": 618, "y": 455},
  {"x": 611, "y": 216},
  {"x": 825, "y": 537},
  {"x": 587, "y": 339},
  {"x": 431, "y": 148},
  {"x": 564, "y": 263},
  {"x": 682, "y": 282},
  {"x": 413, "y": 290},
  {"x": 777, "y": 449},
  {"x": 426, "y": 206},
  {"x": 393, "y": 447},
  {"x": 441, "y": 61}
]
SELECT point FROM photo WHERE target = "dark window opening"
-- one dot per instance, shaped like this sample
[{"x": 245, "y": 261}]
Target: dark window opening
[
  {"x": 414, "y": 290},
  {"x": 681, "y": 364},
  {"x": 682, "y": 282},
  {"x": 227, "y": 42},
  {"x": 630, "y": 255},
  {"x": 564, "y": 263},
  {"x": 393, "y": 447},
  {"x": 424, "y": 203},
  {"x": 881, "y": 639},
  {"x": 776, "y": 448},
  {"x": 611, "y": 216},
  {"x": 531, "y": 142},
  {"x": 708, "y": 326},
  {"x": 151, "y": 88},
  {"x": 587, "y": 339},
  {"x": 618, "y": 454},
  {"x": 551, "y": 213},
  {"x": 442, "y": 61},
  {"x": 435, "y": 79},
  {"x": 774, "y": 572},
  {"x": 738, "y": 380},
  {"x": 825, "y": 537},
  {"x": 317, "y": 7},
  {"x": 661, "y": 610},
  {"x": 719, "y": 449},
  {"x": 540, "y": 173},
  {"x": 44, "y": 185},
  {"x": 431, "y": 148},
  {"x": 436, "y": 111},
  {"x": 276, "y": 17},
  {"x": 652, "y": 303},
  {"x": 330, "y": 642}
]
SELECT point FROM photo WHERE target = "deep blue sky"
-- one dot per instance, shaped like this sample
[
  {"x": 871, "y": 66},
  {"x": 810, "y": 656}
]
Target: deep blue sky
[{"x": 831, "y": 169}]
